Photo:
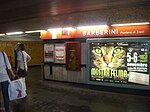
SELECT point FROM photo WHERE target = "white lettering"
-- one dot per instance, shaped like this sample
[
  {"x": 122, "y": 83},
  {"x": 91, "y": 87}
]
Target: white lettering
[
  {"x": 137, "y": 64},
  {"x": 100, "y": 32},
  {"x": 93, "y": 32},
  {"x": 114, "y": 31},
  {"x": 140, "y": 31},
  {"x": 106, "y": 32},
  {"x": 97, "y": 32},
  {"x": 126, "y": 32},
  {"x": 84, "y": 33},
  {"x": 88, "y": 33}
]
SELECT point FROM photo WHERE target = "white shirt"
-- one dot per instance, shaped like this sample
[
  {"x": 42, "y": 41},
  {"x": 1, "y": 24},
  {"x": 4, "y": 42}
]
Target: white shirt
[
  {"x": 3, "y": 73},
  {"x": 23, "y": 63}
]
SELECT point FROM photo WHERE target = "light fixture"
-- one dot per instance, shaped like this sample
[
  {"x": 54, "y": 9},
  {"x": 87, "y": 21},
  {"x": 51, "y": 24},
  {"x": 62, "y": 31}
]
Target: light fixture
[
  {"x": 34, "y": 31},
  {"x": 54, "y": 32},
  {"x": 2, "y": 34},
  {"x": 89, "y": 27},
  {"x": 55, "y": 29},
  {"x": 14, "y": 33},
  {"x": 59, "y": 29},
  {"x": 68, "y": 28},
  {"x": 129, "y": 24}
]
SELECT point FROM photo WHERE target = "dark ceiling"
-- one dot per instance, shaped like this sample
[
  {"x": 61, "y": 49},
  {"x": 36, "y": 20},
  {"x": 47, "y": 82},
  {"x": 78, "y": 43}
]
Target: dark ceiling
[{"x": 18, "y": 10}]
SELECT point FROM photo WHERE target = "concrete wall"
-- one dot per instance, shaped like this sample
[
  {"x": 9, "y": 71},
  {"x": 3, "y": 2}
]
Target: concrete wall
[
  {"x": 33, "y": 45},
  {"x": 60, "y": 73},
  {"x": 113, "y": 16}
]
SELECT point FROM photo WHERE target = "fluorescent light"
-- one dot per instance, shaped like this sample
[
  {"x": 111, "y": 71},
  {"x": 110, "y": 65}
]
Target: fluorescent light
[
  {"x": 59, "y": 29},
  {"x": 94, "y": 26},
  {"x": 34, "y": 31},
  {"x": 129, "y": 24},
  {"x": 55, "y": 29},
  {"x": 2, "y": 34},
  {"x": 54, "y": 32},
  {"x": 14, "y": 33},
  {"x": 68, "y": 28}
]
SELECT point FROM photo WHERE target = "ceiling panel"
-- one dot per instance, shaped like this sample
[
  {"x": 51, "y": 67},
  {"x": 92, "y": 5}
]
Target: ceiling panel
[
  {"x": 18, "y": 10},
  {"x": 14, "y": 10}
]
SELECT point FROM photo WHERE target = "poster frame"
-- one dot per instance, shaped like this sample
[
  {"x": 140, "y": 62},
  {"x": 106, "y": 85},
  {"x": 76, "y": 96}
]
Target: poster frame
[
  {"x": 49, "y": 50},
  {"x": 76, "y": 47},
  {"x": 115, "y": 39},
  {"x": 60, "y": 53}
]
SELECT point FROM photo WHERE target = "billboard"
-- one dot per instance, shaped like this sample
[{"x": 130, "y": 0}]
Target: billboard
[{"x": 118, "y": 62}]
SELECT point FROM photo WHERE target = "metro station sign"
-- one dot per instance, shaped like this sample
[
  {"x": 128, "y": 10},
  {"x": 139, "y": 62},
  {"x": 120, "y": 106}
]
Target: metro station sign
[
  {"x": 115, "y": 31},
  {"x": 110, "y": 31}
]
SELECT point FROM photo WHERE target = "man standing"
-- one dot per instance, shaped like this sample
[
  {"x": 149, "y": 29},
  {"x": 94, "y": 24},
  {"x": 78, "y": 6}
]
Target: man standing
[{"x": 16, "y": 50}]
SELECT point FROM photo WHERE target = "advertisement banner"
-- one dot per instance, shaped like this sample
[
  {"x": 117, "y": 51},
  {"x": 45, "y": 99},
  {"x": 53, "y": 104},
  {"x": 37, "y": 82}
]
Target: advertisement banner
[
  {"x": 73, "y": 56},
  {"x": 119, "y": 62},
  {"x": 48, "y": 52},
  {"x": 60, "y": 53}
]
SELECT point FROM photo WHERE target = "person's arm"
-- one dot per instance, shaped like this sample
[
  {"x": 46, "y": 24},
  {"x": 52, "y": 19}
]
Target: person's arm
[
  {"x": 18, "y": 64},
  {"x": 18, "y": 60},
  {"x": 28, "y": 58},
  {"x": 11, "y": 73}
]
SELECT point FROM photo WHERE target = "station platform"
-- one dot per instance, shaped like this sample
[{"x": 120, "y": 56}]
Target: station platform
[{"x": 52, "y": 96}]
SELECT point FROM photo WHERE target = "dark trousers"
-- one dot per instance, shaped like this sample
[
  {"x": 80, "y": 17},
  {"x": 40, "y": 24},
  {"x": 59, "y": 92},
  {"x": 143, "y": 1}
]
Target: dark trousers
[
  {"x": 16, "y": 64},
  {"x": 4, "y": 87}
]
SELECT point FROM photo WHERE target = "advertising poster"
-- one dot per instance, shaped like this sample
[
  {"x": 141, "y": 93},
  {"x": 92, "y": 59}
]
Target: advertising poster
[
  {"x": 119, "y": 62},
  {"x": 60, "y": 53},
  {"x": 48, "y": 52},
  {"x": 73, "y": 56}
]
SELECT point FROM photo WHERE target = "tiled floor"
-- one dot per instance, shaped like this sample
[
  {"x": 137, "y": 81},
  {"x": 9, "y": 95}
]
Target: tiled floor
[{"x": 58, "y": 97}]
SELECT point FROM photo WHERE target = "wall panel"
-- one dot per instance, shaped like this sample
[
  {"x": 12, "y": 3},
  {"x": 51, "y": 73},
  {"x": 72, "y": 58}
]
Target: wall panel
[{"x": 33, "y": 48}]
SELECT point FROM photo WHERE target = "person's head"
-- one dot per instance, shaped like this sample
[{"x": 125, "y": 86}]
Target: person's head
[
  {"x": 21, "y": 47},
  {"x": 18, "y": 44}
]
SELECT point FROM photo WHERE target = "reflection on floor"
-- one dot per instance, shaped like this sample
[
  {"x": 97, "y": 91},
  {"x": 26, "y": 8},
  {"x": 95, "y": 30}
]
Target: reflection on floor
[{"x": 49, "y": 96}]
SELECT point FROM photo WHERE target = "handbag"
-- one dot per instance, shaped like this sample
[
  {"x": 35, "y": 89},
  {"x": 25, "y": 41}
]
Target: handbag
[
  {"x": 17, "y": 89},
  {"x": 9, "y": 72},
  {"x": 22, "y": 72}
]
